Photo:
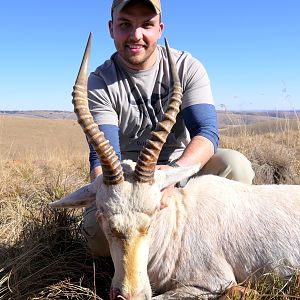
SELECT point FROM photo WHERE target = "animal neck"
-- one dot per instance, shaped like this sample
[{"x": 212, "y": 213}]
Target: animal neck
[{"x": 165, "y": 244}]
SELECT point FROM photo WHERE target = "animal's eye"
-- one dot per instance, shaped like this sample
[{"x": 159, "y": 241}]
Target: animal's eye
[
  {"x": 116, "y": 233},
  {"x": 144, "y": 230}
]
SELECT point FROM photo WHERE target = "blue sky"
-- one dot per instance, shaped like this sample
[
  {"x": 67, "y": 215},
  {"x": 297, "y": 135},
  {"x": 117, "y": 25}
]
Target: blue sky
[{"x": 251, "y": 49}]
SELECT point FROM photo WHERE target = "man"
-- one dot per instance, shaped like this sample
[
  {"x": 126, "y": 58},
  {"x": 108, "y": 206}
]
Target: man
[{"x": 129, "y": 93}]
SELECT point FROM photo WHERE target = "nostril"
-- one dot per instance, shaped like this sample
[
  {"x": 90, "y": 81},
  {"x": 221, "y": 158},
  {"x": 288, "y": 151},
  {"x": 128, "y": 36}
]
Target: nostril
[{"x": 116, "y": 294}]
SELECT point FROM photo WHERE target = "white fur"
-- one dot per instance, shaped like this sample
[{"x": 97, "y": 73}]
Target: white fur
[{"x": 214, "y": 233}]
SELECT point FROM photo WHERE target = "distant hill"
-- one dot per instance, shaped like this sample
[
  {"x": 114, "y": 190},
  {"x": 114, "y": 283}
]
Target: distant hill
[
  {"x": 22, "y": 137},
  {"x": 225, "y": 118},
  {"x": 43, "y": 114}
]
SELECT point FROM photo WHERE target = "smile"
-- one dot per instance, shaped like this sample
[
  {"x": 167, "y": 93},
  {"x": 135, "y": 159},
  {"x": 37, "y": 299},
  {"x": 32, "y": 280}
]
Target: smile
[{"x": 135, "y": 46}]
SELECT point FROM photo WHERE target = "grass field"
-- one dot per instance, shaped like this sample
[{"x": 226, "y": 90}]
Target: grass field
[
  {"x": 42, "y": 253},
  {"x": 21, "y": 138}
]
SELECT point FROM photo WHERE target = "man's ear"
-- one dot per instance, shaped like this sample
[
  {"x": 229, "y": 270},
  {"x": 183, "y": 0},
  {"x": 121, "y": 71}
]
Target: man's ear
[
  {"x": 169, "y": 177},
  {"x": 110, "y": 27},
  {"x": 161, "y": 27}
]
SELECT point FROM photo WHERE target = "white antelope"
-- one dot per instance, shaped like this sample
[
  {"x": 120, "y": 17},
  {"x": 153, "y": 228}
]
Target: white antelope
[{"x": 214, "y": 233}]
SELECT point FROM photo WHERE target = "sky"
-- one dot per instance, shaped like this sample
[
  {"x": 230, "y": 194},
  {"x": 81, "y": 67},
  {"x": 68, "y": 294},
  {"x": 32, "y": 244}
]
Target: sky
[{"x": 250, "y": 49}]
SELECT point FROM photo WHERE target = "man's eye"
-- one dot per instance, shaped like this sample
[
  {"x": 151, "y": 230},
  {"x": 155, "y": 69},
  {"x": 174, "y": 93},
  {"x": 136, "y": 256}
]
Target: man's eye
[
  {"x": 147, "y": 25},
  {"x": 124, "y": 25}
]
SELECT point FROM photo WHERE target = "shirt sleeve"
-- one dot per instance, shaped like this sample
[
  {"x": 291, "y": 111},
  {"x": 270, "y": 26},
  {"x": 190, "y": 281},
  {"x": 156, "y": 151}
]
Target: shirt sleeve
[
  {"x": 100, "y": 103},
  {"x": 195, "y": 83},
  {"x": 111, "y": 133},
  {"x": 201, "y": 120}
]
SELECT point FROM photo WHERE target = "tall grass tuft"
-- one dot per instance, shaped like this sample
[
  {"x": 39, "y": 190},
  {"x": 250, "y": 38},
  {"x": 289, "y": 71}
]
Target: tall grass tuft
[
  {"x": 272, "y": 146},
  {"x": 42, "y": 253}
]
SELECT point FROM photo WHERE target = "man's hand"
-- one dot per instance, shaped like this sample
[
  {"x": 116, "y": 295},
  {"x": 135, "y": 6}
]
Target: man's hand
[
  {"x": 95, "y": 173},
  {"x": 166, "y": 192}
]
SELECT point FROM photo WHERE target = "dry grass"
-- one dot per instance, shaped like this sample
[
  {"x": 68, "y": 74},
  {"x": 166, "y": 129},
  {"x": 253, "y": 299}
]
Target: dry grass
[
  {"x": 43, "y": 254},
  {"x": 266, "y": 287},
  {"x": 273, "y": 147},
  {"x": 21, "y": 138}
]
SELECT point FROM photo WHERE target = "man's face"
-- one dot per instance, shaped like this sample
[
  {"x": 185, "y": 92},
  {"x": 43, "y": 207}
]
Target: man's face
[{"x": 135, "y": 31}]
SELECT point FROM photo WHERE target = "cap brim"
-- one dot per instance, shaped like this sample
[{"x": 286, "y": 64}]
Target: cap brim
[{"x": 119, "y": 7}]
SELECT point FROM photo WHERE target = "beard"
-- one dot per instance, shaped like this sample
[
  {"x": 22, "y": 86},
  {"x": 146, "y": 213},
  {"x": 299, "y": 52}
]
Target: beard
[{"x": 137, "y": 61}]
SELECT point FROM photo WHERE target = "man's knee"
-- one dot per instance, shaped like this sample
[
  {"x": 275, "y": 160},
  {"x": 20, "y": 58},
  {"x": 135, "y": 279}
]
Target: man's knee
[
  {"x": 93, "y": 233},
  {"x": 230, "y": 164}
]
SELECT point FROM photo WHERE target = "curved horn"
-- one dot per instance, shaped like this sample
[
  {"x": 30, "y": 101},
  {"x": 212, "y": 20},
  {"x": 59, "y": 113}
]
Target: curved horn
[
  {"x": 111, "y": 167},
  {"x": 145, "y": 167}
]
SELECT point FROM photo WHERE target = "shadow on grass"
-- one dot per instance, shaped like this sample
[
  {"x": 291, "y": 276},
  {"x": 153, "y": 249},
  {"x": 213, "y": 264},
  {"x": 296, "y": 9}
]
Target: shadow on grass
[{"x": 50, "y": 261}]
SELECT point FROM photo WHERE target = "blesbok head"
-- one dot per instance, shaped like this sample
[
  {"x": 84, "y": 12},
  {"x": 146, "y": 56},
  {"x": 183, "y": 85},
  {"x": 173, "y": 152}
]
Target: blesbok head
[{"x": 127, "y": 195}]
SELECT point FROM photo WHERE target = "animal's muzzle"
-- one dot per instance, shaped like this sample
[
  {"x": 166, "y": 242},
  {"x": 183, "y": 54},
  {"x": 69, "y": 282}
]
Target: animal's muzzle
[{"x": 116, "y": 294}]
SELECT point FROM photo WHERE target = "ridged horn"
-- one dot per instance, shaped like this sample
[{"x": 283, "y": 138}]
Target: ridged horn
[
  {"x": 111, "y": 167},
  {"x": 146, "y": 163}
]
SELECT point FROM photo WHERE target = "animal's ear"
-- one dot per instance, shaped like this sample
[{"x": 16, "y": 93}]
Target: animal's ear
[
  {"x": 80, "y": 198},
  {"x": 169, "y": 177}
]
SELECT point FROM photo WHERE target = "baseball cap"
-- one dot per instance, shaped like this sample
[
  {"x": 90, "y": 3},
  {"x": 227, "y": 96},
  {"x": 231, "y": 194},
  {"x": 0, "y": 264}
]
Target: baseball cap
[{"x": 118, "y": 5}]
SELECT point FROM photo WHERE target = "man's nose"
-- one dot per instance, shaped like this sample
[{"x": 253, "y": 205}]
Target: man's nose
[{"x": 136, "y": 34}]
